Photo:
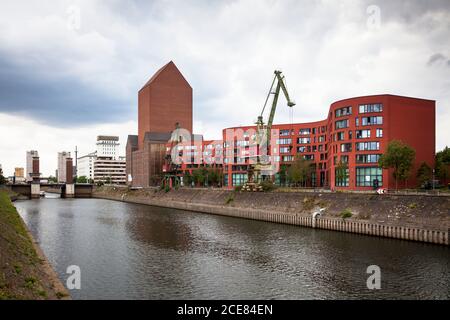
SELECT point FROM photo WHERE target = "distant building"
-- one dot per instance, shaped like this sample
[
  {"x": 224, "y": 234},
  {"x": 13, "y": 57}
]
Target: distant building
[
  {"x": 86, "y": 165},
  {"x": 105, "y": 164},
  {"x": 110, "y": 170},
  {"x": 30, "y": 155},
  {"x": 107, "y": 146},
  {"x": 19, "y": 172},
  {"x": 62, "y": 163},
  {"x": 19, "y": 175}
]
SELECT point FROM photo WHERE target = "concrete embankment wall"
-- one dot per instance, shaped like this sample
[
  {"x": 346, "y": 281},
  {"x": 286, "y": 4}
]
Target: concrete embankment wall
[{"x": 221, "y": 204}]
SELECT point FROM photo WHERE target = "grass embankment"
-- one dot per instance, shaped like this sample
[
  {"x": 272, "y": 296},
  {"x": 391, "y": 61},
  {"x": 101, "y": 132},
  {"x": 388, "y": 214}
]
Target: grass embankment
[{"x": 23, "y": 273}]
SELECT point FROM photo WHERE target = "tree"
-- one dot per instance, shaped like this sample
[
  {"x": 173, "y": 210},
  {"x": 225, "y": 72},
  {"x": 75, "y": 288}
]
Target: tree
[
  {"x": 300, "y": 171},
  {"x": 283, "y": 174},
  {"x": 199, "y": 176},
  {"x": 424, "y": 173},
  {"x": 442, "y": 163},
  {"x": 2, "y": 178},
  {"x": 82, "y": 179},
  {"x": 187, "y": 178},
  {"x": 399, "y": 157},
  {"x": 214, "y": 176},
  {"x": 108, "y": 180},
  {"x": 52, "y": 179}
]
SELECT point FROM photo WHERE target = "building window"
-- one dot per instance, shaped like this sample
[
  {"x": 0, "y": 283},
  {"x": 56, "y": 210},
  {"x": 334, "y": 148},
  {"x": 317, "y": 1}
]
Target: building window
[
  {"x": 341, "y": 124},
  {"x": 344, "y": 159},
  {"x": 366, "y": 176},
  {"x": 284, "y": 132},
  {"x": 225, "y": 180},
  {"x": 343, "y": 112},
  {"x": 362, "y": 134},
  {"x": 308, "y": 157},
  {"x": 301, "y": 149},
  {"x": 368, "y": 121},
  {"x": 284, "y": 141},
  {"x": 305, "y": 131},
  {"x": 357, "y": 122},
  {"x": 362, "y": 146},
  {"x": 340, "y": 136},
  {"x": 242, "y": 143},
  {"x": 239, "y": 179},
  {"x": 375, "y": 107},
  {"x": 379, "y": 133},
  {"x": 303, "y": 140},
  {"x": 367, "y": 158},
  {"x": 321, "y": 138},
  {"x": 346, "y": 147},
  {"x": 285, "y": 149},
  {"x": 288, "y": 158}
]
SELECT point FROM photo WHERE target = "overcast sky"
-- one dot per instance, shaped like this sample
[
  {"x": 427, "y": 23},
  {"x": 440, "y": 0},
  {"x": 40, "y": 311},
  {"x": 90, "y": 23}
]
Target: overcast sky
[{"x": 70, "y": 70}]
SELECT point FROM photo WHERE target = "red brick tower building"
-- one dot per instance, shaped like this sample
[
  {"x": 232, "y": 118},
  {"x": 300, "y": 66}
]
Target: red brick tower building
[{"x": 166, "y": 99}]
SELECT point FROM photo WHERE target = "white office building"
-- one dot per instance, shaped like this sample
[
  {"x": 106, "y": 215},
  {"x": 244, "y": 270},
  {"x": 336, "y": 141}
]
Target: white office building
[
  {"x": 107, "y": 146},
  {"x": 112, "y": 171},
  {"x": 105, "y": 164},
  {"x": 86, "y": 165}
]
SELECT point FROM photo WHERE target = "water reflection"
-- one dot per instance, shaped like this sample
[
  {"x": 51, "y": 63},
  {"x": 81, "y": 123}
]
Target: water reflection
[{"x": 128, "y": 251}]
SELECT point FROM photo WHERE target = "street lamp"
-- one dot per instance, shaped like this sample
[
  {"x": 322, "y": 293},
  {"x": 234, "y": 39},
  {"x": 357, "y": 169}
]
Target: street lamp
[{"x": 432, "y": 181}]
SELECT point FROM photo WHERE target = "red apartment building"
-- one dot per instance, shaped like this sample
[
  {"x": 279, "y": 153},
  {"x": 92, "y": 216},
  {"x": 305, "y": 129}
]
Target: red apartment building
[{"x": 356, "y": 132}]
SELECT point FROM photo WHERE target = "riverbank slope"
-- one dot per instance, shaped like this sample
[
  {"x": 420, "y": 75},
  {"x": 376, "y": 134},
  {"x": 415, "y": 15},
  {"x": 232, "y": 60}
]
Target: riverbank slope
[{"x": 25, "y": 273}]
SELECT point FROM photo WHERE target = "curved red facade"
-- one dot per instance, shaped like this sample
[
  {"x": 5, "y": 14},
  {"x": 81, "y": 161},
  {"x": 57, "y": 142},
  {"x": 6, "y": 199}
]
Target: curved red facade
[{"x": 356, "y": 132}]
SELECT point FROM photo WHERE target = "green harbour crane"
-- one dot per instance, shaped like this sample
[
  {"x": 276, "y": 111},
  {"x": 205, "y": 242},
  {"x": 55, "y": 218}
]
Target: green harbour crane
[
  {"x": 263, "y": 133},
  {"x": 276, "y": 93}
]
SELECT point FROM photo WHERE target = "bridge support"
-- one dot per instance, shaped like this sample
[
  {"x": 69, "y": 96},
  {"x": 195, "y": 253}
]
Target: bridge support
[
  {"x": 35, "y": 190},
  {"x": 69, "y": 191}
]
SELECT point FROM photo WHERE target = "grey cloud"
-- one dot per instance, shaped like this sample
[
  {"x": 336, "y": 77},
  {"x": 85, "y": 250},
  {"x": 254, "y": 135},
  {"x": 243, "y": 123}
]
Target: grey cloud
[
  {"x": 61, "y": 101},
  {"x": 408, "y": 11},
  {"x": 436, "y": 58}
]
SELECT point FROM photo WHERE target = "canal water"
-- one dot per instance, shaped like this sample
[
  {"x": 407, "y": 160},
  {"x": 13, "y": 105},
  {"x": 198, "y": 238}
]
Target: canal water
[{"x": 128, "y": 251}]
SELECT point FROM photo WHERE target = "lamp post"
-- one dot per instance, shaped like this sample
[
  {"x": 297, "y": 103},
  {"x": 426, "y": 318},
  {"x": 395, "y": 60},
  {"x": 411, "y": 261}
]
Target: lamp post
[{"x": 432, "y": 181}]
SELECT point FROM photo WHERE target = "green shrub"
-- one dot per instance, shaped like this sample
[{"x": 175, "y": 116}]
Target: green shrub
[
  {"x": 237, "y": 188},
  {"x": 268, "y": 186},
  {"x": 412, "y": 205},
  {"x": 167, "y": 188},
  {"x": 346, "y": 214},
  {"x": 17, "y": 268},
  {"x": 229, "y": 199}
]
